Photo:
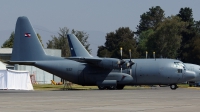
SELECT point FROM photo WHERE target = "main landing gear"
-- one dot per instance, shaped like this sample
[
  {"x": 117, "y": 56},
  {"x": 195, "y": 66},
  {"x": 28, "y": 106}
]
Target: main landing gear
[
  {"x": 173, "y": 86},
  {"x": 118, "y": 87}
]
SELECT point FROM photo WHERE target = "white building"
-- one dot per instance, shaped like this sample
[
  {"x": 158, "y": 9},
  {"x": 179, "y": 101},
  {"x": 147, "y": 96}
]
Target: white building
[{"x": 2, "y": 66}]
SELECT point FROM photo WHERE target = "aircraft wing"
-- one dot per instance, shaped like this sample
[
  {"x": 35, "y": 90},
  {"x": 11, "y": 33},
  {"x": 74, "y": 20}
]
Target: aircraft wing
[
  {"x": 89, "y": 60},
  {"x": 109, "y": 63}
]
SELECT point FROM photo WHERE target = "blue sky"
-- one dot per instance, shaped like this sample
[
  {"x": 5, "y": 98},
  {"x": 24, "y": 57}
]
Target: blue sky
[{"x": 97, "y": 17}]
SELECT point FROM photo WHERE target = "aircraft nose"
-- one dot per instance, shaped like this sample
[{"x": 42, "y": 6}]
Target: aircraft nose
[{"x": 189, "y": 75}]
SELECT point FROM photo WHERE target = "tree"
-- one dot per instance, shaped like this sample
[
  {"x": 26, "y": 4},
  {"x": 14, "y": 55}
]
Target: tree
[
  {"x": 82, "y": 37},
  {"x": 9, "y": 43},
  {"x": 197, "y": 27},
  {"x": 186, "y": 15},
  {"x": 188, "y": 34},
  {"x": 122, "y": 37},
  {"x": 166, "y": 39},
  {"x": 103, "y": 52},
  {"x": 143, "y": 40},
  {"x": 39, "y": 37},
  {"x": 195, "y": 51},
  {"x": 61, "y": 42},
  {"x": 150, "y": 19},
  {"x": 193, "y": 55}
]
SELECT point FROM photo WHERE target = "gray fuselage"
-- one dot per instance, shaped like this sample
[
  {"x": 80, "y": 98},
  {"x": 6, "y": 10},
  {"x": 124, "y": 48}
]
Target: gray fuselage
[
  {"x": 195, "y": 68},
  {"x": 144, "y": 71}
]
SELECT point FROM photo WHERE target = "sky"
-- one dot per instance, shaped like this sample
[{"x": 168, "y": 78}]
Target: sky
[{"x": 96, "y": 17}]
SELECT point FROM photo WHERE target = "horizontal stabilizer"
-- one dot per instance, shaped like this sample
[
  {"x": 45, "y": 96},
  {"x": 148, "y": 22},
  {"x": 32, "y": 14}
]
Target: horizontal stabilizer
[{"x": 21, "y": 62}]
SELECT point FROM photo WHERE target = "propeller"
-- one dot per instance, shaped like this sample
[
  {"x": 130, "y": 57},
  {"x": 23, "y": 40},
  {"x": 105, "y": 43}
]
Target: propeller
[
  {"x": 130, "y": 63},
  {"x": 121, "y": 61},
  {"x": 146, "y": 54},
  {"x": 154, "y": 55}
]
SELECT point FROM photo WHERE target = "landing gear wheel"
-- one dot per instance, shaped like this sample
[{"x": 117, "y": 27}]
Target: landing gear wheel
[
  {"x": 101, "y": 87},
  {"x": 120, "y": 87},
  {"x": 173, "y": 86},
  {"x": 111, "y": 87}
]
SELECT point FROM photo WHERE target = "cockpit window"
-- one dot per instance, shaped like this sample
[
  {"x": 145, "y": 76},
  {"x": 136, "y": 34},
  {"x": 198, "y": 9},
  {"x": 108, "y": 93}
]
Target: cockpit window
[
  {"x": 179, "y": 65},
  {"x": 179, "y": 70}
]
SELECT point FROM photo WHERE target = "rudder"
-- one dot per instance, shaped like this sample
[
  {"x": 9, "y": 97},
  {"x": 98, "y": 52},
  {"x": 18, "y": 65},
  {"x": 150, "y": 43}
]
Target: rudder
[{"x": 76, "y": 48}]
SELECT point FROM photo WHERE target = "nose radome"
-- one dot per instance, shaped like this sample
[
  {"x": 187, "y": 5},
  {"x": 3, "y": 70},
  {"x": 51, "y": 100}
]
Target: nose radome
[{"x": 189, "y": 75}]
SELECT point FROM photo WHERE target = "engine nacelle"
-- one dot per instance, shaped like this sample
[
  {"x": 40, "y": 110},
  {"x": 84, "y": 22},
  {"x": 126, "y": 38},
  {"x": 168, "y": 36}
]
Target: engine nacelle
[
  {"x": 110, "y": 63},
  {"x": 121, "y": 78}
]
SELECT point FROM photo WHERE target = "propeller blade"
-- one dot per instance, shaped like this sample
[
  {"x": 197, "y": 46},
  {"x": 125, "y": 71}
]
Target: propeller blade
[
  {"x": 130, "y": 54},
  {"x": 120, "y": 62},
  {"x": 121, "y": 52},
  {"x": 146, "y": 54},
  {"x": 130, "y": 63}
]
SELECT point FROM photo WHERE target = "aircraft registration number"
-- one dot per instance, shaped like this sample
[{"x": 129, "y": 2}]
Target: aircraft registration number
[{"x": 68, "y": 69}]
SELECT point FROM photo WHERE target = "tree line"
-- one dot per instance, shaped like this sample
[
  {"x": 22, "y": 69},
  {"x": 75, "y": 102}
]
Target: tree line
[{"x": 176, "y": 36}]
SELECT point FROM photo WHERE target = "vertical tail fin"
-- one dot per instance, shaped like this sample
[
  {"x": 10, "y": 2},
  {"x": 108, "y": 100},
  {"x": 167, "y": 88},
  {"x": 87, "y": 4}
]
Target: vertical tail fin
[
  {"x": 26, "y": 47},
  {"x": 76, "y": 48}
]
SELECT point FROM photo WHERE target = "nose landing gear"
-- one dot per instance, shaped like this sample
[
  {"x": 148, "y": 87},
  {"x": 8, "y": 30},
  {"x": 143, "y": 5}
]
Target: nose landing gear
[{"x": 173, "y": 86}]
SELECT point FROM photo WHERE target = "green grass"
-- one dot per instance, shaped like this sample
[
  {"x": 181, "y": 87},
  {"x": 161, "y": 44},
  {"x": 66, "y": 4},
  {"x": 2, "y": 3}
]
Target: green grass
[
  {"x": 79, "y": 87},
  {"x": 61, "y": 87},
  {"x": 183, "y": 85}
]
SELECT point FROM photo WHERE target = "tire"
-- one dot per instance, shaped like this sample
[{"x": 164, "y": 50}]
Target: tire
[
  {"x": 173, "y": 86},
  {"x": 111, "y": 87},
  {"x": 120, "y": 87},
  {"x": 101, "y": 87}
]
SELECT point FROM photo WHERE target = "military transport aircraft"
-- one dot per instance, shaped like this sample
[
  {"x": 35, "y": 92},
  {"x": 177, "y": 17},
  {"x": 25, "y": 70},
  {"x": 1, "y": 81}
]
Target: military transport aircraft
[
  {"x": 87, "y": 70},
  {"x": 196, "y": 68},
  {"x": 144, "y": 71}
]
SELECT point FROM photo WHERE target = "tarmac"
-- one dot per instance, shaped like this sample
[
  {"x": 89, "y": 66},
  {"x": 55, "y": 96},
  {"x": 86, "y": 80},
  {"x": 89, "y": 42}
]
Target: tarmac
[{"x": 137, "y": 100}]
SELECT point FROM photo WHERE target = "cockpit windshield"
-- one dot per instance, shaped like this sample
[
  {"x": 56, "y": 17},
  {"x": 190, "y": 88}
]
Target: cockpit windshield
[{"x": 179, "y": 65}]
